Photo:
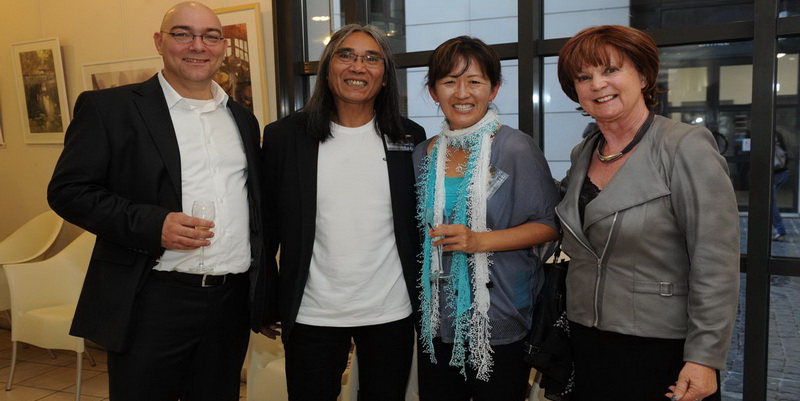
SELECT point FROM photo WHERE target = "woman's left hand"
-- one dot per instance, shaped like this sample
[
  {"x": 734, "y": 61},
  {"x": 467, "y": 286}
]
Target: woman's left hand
[
  {"x": 457, "y": 237},
  {"x": 695, "y": 382}
]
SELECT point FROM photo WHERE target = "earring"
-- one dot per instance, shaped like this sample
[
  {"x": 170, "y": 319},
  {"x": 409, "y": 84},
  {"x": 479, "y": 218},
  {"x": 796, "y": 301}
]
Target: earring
[{"x": 436, "y": 103}]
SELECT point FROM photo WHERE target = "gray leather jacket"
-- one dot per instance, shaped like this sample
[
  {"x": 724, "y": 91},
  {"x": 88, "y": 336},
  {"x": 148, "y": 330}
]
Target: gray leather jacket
[{"x": 658, "y": 253}]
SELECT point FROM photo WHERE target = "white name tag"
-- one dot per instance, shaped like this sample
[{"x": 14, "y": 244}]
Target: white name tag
[{"x": 405, "y": 146}]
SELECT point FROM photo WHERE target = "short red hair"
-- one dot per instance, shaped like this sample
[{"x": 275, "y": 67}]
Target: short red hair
[{"x": 593, "y": 47}]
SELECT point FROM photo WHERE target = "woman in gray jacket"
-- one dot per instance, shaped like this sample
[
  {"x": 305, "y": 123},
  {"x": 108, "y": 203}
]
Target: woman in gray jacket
[{"x": 651, "y": 224}]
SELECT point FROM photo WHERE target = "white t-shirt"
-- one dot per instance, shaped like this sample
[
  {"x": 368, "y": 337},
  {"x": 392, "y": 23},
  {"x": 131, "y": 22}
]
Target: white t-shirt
[{"x": 355, "y": 277}]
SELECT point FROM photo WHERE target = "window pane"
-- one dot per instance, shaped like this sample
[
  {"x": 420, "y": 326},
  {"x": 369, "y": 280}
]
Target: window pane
[
  {"x": 421, "y": 108},
  {"x": 322, "y": 18},
  {"x": 693, "y": 77},
  {"x": 731, "y": 378},
  {"x": 418, "y": 25},
  {"x": 564, "y": 18},
  {"x": 783, "y": 370},
  {"x": 788, "y": 8},
  {"x": 785, "y": 174}
]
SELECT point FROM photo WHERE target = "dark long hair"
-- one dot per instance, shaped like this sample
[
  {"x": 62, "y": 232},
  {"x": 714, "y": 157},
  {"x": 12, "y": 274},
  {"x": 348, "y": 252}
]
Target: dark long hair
[
  {"x": 321, "y": 108},
  {"x": 446, "y": 57}
]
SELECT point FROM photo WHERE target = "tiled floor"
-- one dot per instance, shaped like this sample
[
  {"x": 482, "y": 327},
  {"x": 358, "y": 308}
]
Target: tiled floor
[{"x": 39, "y": 377}]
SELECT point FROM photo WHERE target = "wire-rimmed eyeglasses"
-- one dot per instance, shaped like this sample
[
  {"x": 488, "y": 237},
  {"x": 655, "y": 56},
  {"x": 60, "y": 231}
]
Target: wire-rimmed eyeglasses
[
  {"x": 347, "y": 57},
  {"x": 210, "y": 39}
]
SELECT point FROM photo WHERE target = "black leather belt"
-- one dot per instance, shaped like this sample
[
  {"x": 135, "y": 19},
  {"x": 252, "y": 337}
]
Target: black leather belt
[{"x": 192, "y": 280}]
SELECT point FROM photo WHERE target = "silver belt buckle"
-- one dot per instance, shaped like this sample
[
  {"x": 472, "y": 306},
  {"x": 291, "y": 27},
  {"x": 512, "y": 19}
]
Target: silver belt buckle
[{"x": 665, "y": 288}]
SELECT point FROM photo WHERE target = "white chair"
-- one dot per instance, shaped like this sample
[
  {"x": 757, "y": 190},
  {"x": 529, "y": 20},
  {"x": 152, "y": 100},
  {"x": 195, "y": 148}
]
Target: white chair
[
  {"x": 43, "y": 299},
  {"x": 26, "y": 244},
  {"x": 537, "y": 393},
  {"x": 265, "y": 380}
]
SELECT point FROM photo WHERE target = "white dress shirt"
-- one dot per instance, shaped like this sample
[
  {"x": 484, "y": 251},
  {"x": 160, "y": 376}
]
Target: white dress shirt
[{"x": 213, "y": 168}]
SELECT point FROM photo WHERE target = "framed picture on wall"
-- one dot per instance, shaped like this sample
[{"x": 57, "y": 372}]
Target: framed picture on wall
[
  {"x": 110, "y": 74},
  {"x": 41, "y": 90},
  {"x": 242, "y": 74}
]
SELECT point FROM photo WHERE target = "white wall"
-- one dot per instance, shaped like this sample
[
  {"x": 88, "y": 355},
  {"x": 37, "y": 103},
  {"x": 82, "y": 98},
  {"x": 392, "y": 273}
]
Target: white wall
[{"x": 89, "y": 31}]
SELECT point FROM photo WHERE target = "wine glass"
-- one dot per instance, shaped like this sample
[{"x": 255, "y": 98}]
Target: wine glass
[{"x": 204, "y": 210}]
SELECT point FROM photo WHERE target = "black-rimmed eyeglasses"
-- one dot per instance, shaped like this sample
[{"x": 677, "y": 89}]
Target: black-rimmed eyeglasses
[{"x": 184, "y": 37}]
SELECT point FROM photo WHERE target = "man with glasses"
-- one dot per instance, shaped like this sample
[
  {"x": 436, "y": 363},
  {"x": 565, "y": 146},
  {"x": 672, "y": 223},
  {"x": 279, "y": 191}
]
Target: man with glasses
[
  {"x": 339, "y": 201},
  {"x": 166, "y": 293}
]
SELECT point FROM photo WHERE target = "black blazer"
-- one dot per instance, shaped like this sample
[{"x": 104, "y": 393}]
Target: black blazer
[
  {"x": 118, "y": 177},
  {"x": 290, "y": 202}
]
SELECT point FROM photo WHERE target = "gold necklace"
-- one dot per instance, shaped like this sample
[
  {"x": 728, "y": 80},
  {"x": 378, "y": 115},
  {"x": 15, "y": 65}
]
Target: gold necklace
[{"x": 638, "y": 137}]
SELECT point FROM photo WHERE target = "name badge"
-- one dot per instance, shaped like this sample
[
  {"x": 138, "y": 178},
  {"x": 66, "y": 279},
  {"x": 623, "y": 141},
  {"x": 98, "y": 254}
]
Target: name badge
[{"x": 407, "y": 145}]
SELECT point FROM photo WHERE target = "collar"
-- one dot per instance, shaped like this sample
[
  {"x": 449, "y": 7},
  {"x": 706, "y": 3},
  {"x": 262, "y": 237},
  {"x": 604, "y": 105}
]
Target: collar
[{"x": 220, "y": 98}]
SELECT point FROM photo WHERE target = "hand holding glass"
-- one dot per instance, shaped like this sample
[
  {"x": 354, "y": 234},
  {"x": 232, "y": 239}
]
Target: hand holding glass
[{"x": 204, "y": 210}]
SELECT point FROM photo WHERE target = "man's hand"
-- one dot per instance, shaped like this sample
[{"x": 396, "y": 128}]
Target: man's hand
[
  {"x": 272, "y": 331},
  {"x": 180, "y": 232}
]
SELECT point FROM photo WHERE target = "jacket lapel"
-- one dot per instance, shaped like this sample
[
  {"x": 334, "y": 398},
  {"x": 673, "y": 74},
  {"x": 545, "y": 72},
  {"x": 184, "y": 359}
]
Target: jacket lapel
[
  {"x": 568, "y": 208},
  {"x": 250, "y": 152},
  {"x": 307, "y": 151},
  {"x": 636, "y": 182},
  {"x": 154, "y": 111}
]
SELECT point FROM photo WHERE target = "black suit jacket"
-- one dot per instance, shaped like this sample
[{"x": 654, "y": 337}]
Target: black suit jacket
[
  {"x": 118, "y": 177},
  {"x": 290, "y": 202}
]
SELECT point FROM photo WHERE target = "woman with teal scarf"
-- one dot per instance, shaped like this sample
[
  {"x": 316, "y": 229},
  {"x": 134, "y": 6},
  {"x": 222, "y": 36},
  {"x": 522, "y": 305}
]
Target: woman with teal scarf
[{"x": 485, "y": 198}]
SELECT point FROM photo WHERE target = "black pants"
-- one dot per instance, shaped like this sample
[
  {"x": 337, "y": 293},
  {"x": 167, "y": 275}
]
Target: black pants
[
  {"x": 316, "y": 357},
  {"x": 188, "y": 343},
  {"x": 625, "y": 368},
  {"x": 442, "y": 382}
]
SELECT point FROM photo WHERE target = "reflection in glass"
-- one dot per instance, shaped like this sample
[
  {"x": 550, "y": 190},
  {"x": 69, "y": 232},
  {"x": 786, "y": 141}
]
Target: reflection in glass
[
  {"x": 419, "y": 25},
  {"x": 786, "y": 225},
  {"x": 788, "y": 8},
  {"x": 322, "y": 18},
  {"x": 564, "y": 18},
  {"x": 390, "y": 16},
  {"x": 710, "y": 85}
]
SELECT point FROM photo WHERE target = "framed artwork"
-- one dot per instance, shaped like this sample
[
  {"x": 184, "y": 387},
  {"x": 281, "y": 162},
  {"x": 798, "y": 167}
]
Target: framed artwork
[
  {"x": 110, "y": 74},
  {"x": 41, "y": 90},
  {"x": 242, "y": 74}
]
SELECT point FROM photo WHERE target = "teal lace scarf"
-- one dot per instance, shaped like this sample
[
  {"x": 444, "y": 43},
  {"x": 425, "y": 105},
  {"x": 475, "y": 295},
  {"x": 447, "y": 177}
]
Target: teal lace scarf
[{"x": 465, "y": 292}]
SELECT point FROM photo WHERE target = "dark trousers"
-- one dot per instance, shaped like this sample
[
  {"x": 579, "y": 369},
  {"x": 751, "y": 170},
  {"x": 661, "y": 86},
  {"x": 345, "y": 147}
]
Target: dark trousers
[
  {"x": 778, "y": 179},
  {"x": 189, "y": 343},
  {"x": 441, "y": 382},
  {"x": 316, "y": 357},
  {"x": 623, "y": 367}
]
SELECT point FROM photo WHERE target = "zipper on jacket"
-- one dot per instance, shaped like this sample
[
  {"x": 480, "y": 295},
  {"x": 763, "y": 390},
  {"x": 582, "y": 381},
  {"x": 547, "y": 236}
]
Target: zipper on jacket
[{"x": 596, "y": 320}]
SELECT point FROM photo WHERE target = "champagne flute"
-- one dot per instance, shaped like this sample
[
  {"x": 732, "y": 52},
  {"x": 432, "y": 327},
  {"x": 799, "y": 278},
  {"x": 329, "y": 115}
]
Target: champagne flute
[{"x": 204, "y": 210}]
